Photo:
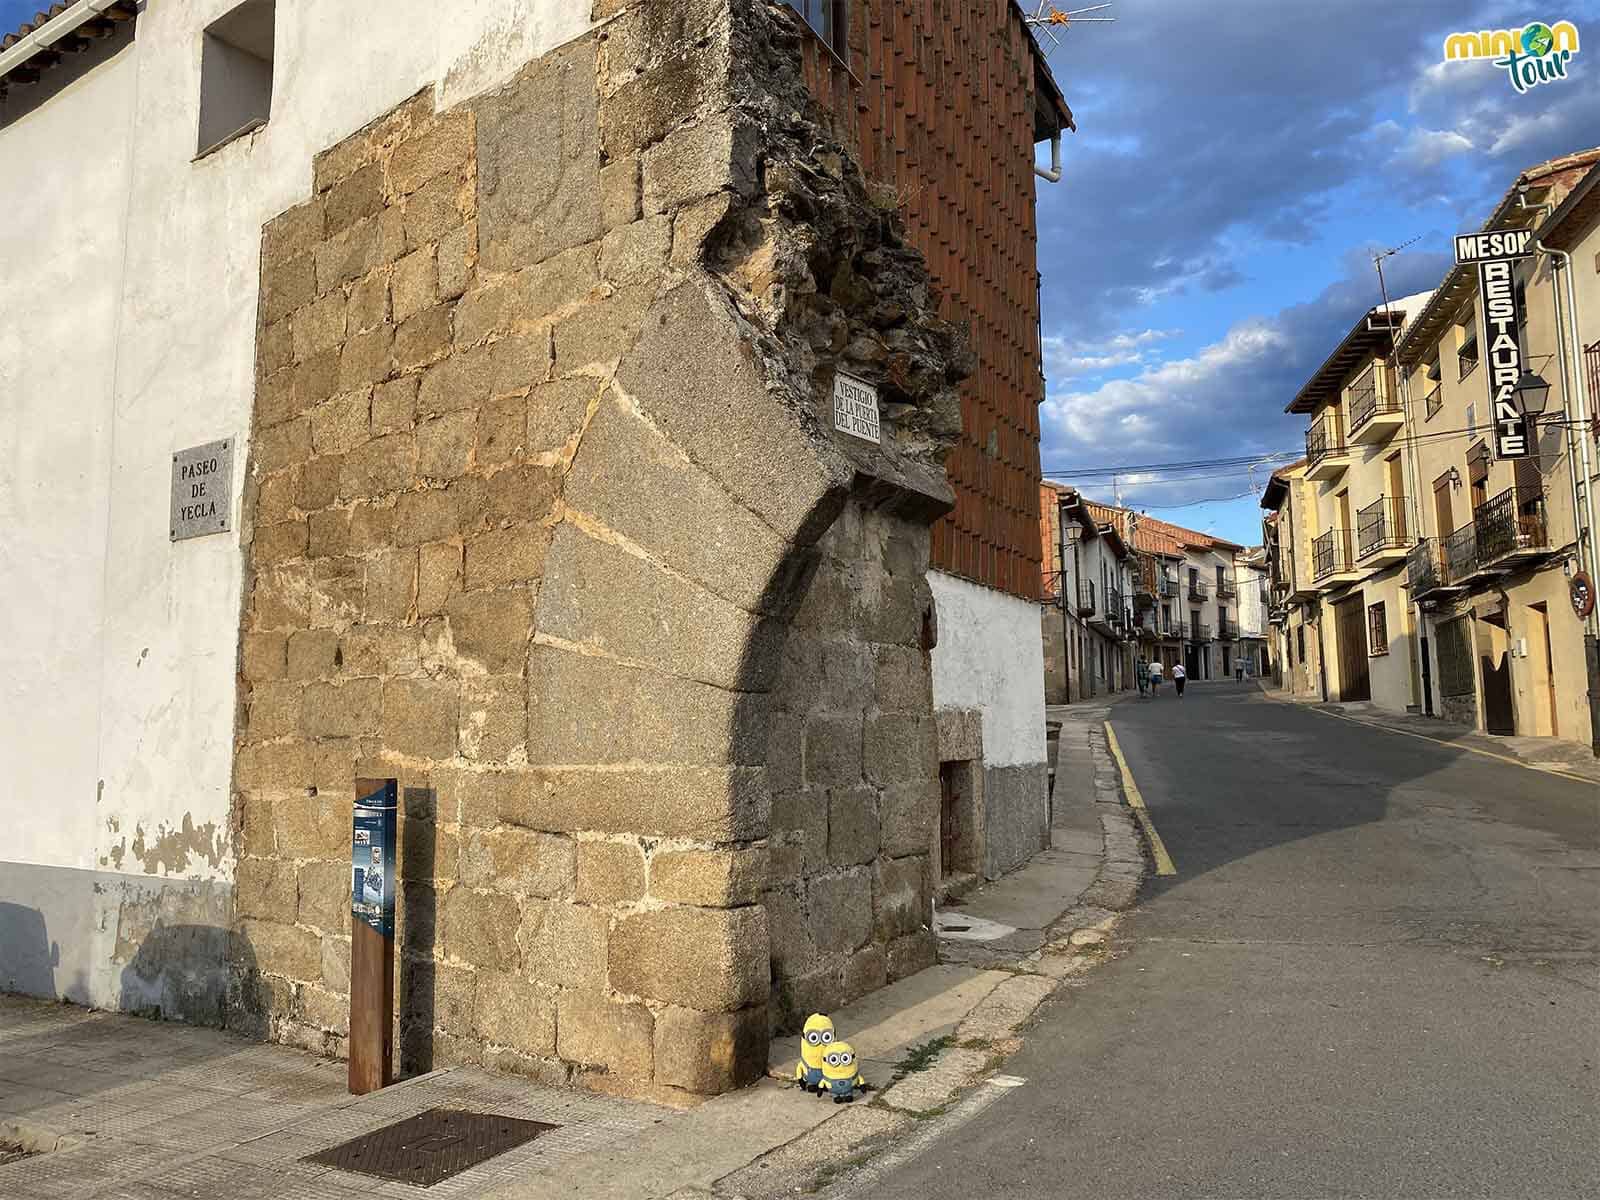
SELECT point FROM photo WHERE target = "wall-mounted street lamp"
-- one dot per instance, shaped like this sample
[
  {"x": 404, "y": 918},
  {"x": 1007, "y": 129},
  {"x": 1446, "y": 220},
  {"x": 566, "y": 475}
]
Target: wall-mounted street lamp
[{"x": 1532, "y": 393}]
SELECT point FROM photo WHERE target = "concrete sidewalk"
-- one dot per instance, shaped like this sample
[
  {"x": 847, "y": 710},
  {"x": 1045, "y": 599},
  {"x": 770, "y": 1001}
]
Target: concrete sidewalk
[
  {"x": 1540, "y": 753},
  {"x": 119, "y": 1108}
]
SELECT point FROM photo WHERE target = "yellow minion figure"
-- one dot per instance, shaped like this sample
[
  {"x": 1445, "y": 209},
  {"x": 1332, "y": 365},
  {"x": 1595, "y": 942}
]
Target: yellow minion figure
[
  {"x": 841, "y": 1080},
  {"x": 815, "y": 1039}
]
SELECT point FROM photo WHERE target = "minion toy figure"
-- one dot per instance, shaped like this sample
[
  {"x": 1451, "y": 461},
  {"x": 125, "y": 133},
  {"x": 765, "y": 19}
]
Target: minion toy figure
[
  {"x": 815, "y": 1039},
  {"x": 841, "y": 1080}
]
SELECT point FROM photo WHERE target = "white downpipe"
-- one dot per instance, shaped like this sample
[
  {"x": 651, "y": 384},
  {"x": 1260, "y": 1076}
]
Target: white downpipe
[
  {"x": 1578, "y": 422},
  {"x": 53, "y": 31},
  {"x": 1053, "y": 175}
]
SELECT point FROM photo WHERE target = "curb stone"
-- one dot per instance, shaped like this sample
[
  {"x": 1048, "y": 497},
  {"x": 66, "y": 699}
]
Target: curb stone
[{"x": 1075, "y": 942}]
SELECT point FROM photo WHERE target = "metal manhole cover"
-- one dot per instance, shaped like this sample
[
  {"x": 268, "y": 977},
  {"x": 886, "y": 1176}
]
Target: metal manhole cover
[{"x": 430, "y": 1146}]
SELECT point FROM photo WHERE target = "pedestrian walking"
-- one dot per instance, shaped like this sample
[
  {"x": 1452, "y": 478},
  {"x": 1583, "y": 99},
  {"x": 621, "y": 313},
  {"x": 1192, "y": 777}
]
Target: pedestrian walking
[
  {"x": 1155, "y": 678},
  {"x": 1179, "y": 675},
  {"x": 1141, "y": 674},
  {"x": 1238, "y": 669}
]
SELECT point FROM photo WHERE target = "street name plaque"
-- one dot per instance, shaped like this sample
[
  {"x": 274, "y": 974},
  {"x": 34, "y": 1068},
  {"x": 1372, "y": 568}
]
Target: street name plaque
[{"x": 202, "y": 490}]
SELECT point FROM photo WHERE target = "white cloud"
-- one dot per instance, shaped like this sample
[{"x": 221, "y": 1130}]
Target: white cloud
[
  {"x": 1064, "y": 358},
  {"x": 1424, "y": 149},
  {"x": 1160, "y": 400}
]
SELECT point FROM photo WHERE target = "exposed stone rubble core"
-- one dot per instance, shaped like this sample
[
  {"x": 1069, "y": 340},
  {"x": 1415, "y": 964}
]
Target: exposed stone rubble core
[{"x": 541, "y": 475}]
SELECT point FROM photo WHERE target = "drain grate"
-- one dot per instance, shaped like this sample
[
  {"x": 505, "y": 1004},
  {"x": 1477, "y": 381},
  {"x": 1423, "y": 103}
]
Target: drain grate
[{"x": 430, "y": 1146}]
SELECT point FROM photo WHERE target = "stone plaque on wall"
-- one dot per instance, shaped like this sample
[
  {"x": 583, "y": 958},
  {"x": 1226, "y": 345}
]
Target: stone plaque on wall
[
  {"x": 855, "y": 408},
  {"x": 202, "y": 490}
]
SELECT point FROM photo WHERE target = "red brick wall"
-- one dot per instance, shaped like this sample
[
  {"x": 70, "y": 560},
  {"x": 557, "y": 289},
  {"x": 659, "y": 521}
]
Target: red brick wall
[{"x": 939, "y": 103}]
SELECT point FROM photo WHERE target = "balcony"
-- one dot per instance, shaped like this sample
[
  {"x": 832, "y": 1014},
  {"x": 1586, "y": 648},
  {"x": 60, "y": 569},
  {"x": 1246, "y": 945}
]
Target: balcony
[
  {"x": 1200, "y": 632},
  {"x": 1375, "y": 415},
  {"x": 1177, "y": 630},
  {"x": 1086, "y": 606},
  {"x": 1327, "y": 456},
  {"x": 1166, "y": 588},
  {"x": 1227, "y": 629},
  {"x": 1199, "y": 589},
  {"x": 1428, "y": 569},
  {"x": 1458, "y": 556},
  {"x": 1227, "y": 588},
  {"x": 1331, "y": 562},
  {"x": 1116, "y": 615},
  {"x": 1506, "y": 535},
  {"x": 1381, "y": 532}
]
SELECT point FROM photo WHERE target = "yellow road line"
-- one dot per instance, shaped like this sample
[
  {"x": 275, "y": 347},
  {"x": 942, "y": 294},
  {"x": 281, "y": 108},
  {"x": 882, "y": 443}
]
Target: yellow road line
[
  {"x": 1158, "y": 848},
  {"x": 1423, "y": 737}
]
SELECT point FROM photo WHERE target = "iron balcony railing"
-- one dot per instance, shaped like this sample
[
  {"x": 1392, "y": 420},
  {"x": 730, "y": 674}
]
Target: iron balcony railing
[
  {"x": 1367, "y": 400},
  {"x": 1502, "y": 528},
  {"x": 1052, "y": 589},
  {"x": 1200, "y": 632},
  {"x": 1458, "y": 555},
  {"x": 1227, "y": 629},
  {"x": 1330, "y": 554},
  {"x": 1199, "y": 589},
  {"x": 1179, "y": 629},
  {"x": 1226, "y": 588},
  {"x": 1166, "y": 587},
  {"x": 1322, "y": 439},
  {"x": 1425, "y": 568},
  {"x": 1381, "y": 525},
  {"x": 1086, "y": 606},
  {"x": 1114, "y": 606},
  {"x": 1434, "y": 401}
]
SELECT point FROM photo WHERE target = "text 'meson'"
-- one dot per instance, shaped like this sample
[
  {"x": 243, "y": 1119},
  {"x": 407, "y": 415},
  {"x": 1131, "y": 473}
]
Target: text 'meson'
[
  {"x": 855, "y": 408},
  {"x": 1493, "y": 247}
]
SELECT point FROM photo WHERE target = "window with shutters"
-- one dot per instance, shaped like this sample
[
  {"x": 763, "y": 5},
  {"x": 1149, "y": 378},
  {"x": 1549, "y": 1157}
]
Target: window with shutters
[{"x": 1377, "y": 630}]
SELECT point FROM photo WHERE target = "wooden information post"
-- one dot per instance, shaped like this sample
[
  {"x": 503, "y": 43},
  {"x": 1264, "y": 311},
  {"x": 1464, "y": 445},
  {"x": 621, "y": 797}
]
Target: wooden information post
[{"x": 372, "y": 880}]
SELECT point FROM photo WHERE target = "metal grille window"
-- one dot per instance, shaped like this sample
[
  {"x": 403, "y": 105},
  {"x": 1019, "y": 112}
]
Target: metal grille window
[
  {"x": 1377, "y": 629},
  {"x": 828, "y": 18},
  {"x": 1455, "y": 658},
  {"x": 1467, "y": 355}
]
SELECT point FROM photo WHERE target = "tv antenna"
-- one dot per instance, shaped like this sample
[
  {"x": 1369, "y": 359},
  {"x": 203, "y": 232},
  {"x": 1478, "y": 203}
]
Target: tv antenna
[{"x": 1052, "y": 22}]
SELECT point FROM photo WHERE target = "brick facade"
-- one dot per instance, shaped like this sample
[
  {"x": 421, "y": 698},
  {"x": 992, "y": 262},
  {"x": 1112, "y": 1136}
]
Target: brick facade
[{"x": 943, "y": 102}]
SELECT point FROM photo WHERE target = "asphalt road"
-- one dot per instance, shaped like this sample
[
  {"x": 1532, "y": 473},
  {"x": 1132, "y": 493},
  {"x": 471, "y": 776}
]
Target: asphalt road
[{"x": 1374, "y": 975}]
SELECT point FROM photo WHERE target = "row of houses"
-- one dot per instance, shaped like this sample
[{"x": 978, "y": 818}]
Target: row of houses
[
  {"x": 1411, "y": 564},
  {"x": 1120, "y": 585}
]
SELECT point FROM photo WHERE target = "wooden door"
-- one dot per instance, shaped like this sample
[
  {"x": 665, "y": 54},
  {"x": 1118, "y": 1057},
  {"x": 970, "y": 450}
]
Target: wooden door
[
  {"x": 1543, "y": 656},
  {"x": 1343, "y": 502},
  {"x": 1350, "y": 631},
  {"x": 949, "y": 817},
  {"x": 1494, "y": 666},
  {"x": 1396, "y": 506},
  {"x": 1442, "y": 516}
]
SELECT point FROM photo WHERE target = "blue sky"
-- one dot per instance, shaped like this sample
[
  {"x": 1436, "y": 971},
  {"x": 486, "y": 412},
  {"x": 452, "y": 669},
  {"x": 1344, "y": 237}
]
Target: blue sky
[
  {"x": 1235, "y": 165},
  {"x": 1234, "y": 168}
]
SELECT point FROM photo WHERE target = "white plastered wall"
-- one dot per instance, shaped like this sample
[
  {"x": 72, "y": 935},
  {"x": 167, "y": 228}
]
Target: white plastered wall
[{"x": 138, "y": 269}]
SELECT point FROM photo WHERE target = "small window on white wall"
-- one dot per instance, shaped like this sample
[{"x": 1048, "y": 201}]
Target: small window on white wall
[{"x": 236, "y": 74}]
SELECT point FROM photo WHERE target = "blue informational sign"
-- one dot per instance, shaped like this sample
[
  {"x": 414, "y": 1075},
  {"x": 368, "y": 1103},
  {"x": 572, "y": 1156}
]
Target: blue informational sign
[{"x": 372, "y": 873}]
